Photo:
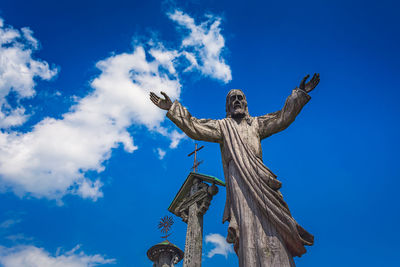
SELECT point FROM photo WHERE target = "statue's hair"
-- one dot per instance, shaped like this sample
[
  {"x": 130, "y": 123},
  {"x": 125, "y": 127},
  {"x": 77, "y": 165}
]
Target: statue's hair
[{"x": 246, "y": 110}]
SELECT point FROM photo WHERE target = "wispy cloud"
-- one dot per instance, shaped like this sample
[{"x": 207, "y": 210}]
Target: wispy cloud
[
  {"x": 221, "y": 247},
  {"x": 161, "y": 153},
  {"x": 8, "y": 223},
  {"x": 18, "y": 69},
  {"x": 53, "y": 159},
  {"x": 19, "y": 237},
  {"x": 31, "y": 256},
  {"x": 204, "y": 45}
]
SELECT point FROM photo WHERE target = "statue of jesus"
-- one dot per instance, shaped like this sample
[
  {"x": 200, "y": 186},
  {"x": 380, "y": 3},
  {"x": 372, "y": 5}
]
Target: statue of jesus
[{"x": 261, "y": 228}]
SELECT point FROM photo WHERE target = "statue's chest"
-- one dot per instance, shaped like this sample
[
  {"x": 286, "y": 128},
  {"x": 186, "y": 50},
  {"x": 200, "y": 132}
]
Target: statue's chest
[{"x": 250, "y": 136}]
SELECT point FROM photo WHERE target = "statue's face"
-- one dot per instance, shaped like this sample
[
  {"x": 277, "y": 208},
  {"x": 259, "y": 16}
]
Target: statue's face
[{"x": 237, "y": 104}]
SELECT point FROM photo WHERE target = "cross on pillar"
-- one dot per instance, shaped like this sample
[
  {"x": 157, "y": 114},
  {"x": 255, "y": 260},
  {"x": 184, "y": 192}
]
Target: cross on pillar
[{"x": 195, "y": 162}]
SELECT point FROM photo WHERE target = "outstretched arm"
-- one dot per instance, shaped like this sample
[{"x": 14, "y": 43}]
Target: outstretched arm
[
  {"x": 275, "y": 122},
  {"x": 198, "y": 129}
]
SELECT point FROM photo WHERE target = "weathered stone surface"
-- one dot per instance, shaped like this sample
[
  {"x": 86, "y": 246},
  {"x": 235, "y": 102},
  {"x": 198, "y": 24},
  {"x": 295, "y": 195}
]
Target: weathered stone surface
[{"x": 194, "y": 238}]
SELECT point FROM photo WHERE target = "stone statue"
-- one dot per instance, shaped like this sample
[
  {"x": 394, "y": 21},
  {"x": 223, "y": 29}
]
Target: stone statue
[{"x": 260, "y": 224}]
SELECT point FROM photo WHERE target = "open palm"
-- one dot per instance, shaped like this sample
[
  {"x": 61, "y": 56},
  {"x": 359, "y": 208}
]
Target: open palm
[
  {"x": 159, "y": 102},
  {"x": 308, "y": 87}
]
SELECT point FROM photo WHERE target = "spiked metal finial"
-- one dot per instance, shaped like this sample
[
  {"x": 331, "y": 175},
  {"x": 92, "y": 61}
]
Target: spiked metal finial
[{"x": 165, "y": 225}]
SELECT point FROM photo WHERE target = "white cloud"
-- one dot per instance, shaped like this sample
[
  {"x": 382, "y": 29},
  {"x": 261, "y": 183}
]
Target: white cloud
[
  {"x": 176, "y": 137},
  {"x": 18, "y": 71},
  {"x": 128, "y": 79},
  {"x": 161, "y": 153},
  {"x": 51, "y": 161},
  {"x": 19, "y": 237},
  {"x": 165, "y": 57},
  {"x": 54, "y": 158},
  {"x": 10, "y": 222},
  {"x": 31, "y": 256},
  {"x": 221, "y": 246},
  {"x": 204, "y": 45}
]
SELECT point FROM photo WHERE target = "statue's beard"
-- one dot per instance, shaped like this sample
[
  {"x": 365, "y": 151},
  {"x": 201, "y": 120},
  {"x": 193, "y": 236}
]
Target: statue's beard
[
  {"x": 238, "y": 114},
  {"x": 238, "y": 111}
]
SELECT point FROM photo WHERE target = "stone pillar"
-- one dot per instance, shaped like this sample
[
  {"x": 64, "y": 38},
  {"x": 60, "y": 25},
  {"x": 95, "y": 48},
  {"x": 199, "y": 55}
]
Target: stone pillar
[
  {"x": 165, "y": 254},
  {"x": 194, "y": 238},
  {"x": 190, "y": 204},
  {"x": 195, "y": 207}
]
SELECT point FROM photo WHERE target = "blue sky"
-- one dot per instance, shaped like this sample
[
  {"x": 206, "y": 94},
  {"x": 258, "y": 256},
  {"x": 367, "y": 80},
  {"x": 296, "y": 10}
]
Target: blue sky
[{"x": 88, "y": 165}]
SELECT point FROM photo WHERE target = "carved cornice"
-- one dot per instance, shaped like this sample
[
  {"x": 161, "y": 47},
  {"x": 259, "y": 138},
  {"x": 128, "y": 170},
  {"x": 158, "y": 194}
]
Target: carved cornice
[{"x": 202, "y": 198}]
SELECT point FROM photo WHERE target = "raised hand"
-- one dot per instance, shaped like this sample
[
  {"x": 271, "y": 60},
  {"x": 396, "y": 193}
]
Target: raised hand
[
  {"x": 159, "y": 102},
  {"x": 308, "y": 87}
]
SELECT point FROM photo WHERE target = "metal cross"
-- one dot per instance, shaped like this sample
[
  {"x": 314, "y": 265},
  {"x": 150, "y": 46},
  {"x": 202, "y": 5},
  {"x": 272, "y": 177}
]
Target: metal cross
[{"x": 195, "y": 162}]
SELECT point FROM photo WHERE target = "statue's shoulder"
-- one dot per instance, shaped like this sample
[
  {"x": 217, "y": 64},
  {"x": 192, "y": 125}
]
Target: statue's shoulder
[
  {"x": 268, "y": 116},
  {"x": 208, "y": 121}
]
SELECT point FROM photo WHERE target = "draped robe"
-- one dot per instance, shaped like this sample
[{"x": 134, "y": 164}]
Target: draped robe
[{"x": 260, "y": 224}]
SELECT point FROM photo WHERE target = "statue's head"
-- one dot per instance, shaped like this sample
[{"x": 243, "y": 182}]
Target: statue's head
[{"x": 236, "y": 104}]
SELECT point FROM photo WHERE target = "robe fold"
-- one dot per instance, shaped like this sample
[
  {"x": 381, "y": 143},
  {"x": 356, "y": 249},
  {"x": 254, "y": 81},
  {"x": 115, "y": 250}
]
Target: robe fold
[{"x": 260, "y": 224}]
